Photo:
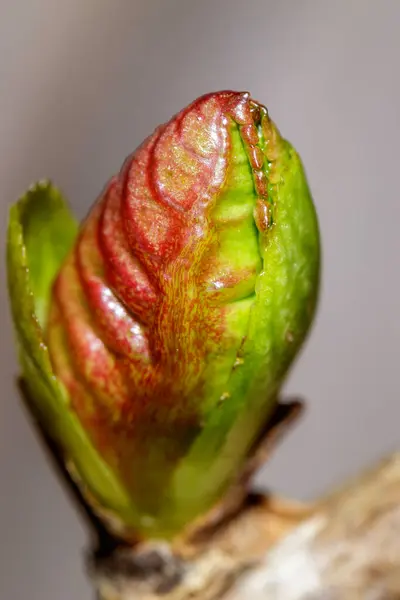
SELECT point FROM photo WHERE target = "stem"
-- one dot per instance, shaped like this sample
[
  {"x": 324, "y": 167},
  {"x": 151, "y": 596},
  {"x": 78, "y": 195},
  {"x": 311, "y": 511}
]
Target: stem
[{"x": 345, "y": 547}]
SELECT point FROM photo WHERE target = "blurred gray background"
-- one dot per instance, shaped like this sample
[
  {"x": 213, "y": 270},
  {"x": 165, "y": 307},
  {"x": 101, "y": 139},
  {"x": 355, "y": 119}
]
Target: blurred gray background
[{"x": 83, "y": 82}]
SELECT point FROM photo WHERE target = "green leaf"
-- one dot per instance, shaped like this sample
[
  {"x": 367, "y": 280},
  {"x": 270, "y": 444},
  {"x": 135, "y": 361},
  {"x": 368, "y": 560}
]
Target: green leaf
[
  {"x": 41, "y": 231},
  {"x": 49, "y": 231},
  {"x": 286, "y": 298}
]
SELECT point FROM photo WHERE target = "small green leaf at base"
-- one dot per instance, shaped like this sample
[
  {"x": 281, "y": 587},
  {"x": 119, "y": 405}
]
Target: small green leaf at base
[{"x": 41, "y": 231}]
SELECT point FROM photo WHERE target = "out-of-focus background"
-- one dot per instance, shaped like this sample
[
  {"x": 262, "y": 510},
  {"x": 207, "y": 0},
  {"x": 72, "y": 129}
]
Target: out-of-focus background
[{"x": 83, "y": 82}]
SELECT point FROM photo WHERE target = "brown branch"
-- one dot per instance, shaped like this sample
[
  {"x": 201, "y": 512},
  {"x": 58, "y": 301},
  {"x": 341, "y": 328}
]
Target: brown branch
[{"x": 348, "y": 550}]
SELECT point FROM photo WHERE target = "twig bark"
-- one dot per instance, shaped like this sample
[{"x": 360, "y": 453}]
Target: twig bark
[{"x": 348, "y": 550}]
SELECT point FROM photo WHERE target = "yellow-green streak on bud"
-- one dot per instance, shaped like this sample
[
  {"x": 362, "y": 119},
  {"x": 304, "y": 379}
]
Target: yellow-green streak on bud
[{"x": 175, "y": 315}]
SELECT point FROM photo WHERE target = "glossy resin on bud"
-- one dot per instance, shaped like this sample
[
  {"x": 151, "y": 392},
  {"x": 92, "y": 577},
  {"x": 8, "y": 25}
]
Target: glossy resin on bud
[{"x": 169, "y": 322}]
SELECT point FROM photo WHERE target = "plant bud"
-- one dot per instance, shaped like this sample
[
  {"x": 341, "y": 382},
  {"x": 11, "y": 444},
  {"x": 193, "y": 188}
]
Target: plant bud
[{"x": 166, "y": 325}]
